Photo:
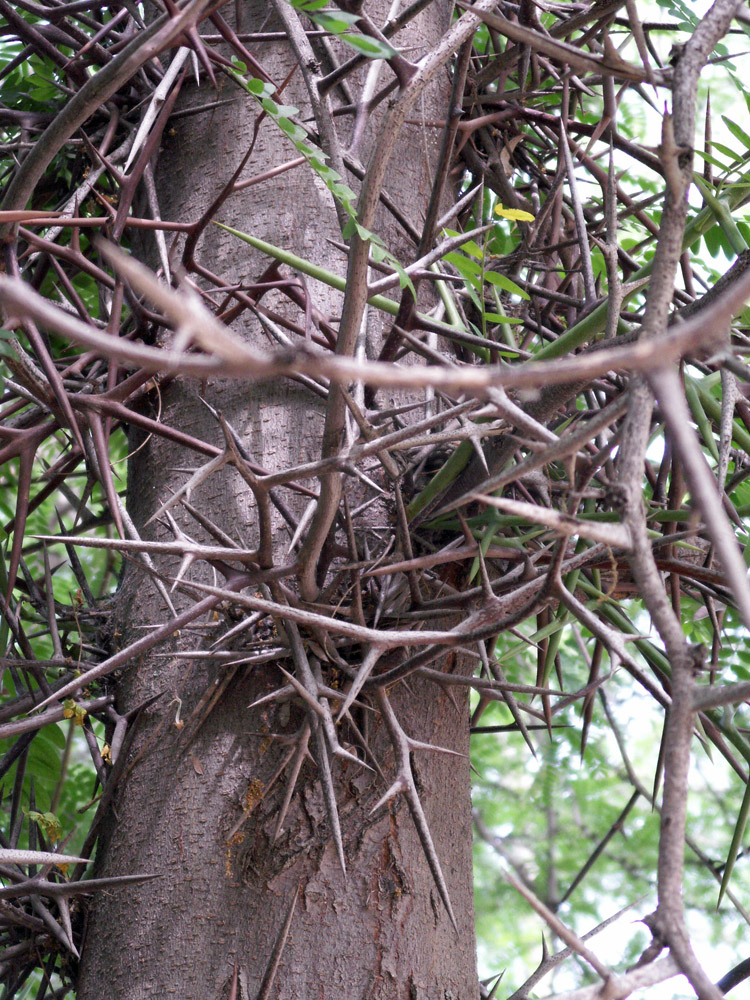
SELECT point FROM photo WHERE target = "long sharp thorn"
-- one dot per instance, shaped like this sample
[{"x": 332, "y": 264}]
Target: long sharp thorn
[
  {"x": 302, "y": 526},
  {"x": 371, "y": 658},
  {"x": 406, "y": 777},
  {"x": 177, "y": 531},
  {"x": 329, "y": 794},
  {"x": 101, "y": 449},
  {"x": 298, "y": 760},
  {"x": 57, "y": 931},
  {"x": 64, "y": 909},
  {"x": 418, "y": 745},
  {"x": 339, "y": 751},
  {"x": 23, "y": 490},
  {"x": 304, "y": 694},
  {"x": 425, "y": 838},
  {"x": 199, "y": 476},
  {"x": 398, "y": 786},
  {"x": 474, "y": 435},
  {"x": 282, "y": 692},
  {"x": 75, "y": 565},
  {"x": 487, "y": 591},
  {"x": 363, "y": 743},
  {"x": 10, "y": 856},
  {"x": 497, "y": 983},
  {"x": 187, "y": 561},
  {"x": 329, "y": 726},
  {"x": 319, "y": 750},
  {"x": 58, "y": 889},
  {"x": 510, "y": 701},
  {"x": 278, "y": 950}
]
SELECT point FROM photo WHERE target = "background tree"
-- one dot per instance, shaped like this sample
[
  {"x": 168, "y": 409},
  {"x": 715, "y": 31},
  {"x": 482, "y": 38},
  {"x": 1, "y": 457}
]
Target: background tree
[{"x": 446, "y": 401}]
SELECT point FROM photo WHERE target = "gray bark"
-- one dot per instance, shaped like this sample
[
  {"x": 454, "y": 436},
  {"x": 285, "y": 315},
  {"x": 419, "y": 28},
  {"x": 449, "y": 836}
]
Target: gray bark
[{"x": 221, "y": 902}]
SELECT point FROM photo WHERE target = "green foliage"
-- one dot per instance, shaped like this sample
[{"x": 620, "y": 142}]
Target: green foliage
[
  {"x": 563, "y": 813},
  {"x": 340, "y": 23},
  {"x": 282, "y": 115}
]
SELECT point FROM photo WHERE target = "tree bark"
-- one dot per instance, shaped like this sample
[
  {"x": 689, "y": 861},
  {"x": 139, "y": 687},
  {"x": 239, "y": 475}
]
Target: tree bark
[{"x": 199, "y": 808}]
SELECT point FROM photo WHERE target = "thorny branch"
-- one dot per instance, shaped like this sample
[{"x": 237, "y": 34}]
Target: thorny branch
[{"x": 522, "y": 456}]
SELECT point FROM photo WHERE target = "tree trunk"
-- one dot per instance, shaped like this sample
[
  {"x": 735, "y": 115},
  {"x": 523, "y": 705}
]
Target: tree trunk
[{"x": 198, "y": 806}]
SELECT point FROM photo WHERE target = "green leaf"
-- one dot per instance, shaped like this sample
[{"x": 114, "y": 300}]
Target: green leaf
[
  {"x": 733, "y": 154},
  {"x": 290, "y": 129},
  {"x": 736, "y": 131},
  {"x": 471, "y": 247},
  {"x": 734, "y": 849},
  {"x": 336, "y": 23},
  {"x": 700, "y": 417},
  {"x": 372, "y": 48},
  {"x": 463, "y": 264},
  {"x": 259, "y": 87},
  {"x": 502, "y": 281},
  {"x": 493, "y": 317},
  {"x": 711, "y": 159},
  {"x": 343, "y": 192},
  {"x": 713, "y": 241},
  {"x": 403, "y": 278},
  {"x": 286, "y": 110}
]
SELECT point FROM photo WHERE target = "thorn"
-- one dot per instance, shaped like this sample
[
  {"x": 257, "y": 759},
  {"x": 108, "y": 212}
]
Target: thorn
[
  {"x": 298, "y": 760},
  {"x": 233, "y": 988},
  {"x": 487, "y": 591},
  {"x": 177, "y": 531},
  {"x": 319, "y": 751},
  {"x": 545, "y": 949},
  {"x": 474, "y": 435},
  {"x": 371, "y": 657},
  {"x": 282, "y": 693},
  {"x": 278, "y": 949},
  {"x": 308, "y": 698},
  {"x": 329, "y": 794},
  {"x": 468, "y": 535},
  {"x": 405, "y": 780},
  {"x": 495, "y": 986},
  {"x": 398, "y": 786},
  {"x": 418, "y": 745},
  {"x": 339, "y": 751},
  {"x": 64, "y": 910},
  {"x": 10, "y": 856},
  {"x": 450, "y": 695},
  {"x": 199, "y": 476},
  {"x": 187, "y": 561}
]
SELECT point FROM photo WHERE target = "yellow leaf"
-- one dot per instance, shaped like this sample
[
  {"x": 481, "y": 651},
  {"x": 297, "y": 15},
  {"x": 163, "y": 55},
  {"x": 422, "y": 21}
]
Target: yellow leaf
[
  {"x": 49, "y": 822},
  {"x": 516, "y": 214}
]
